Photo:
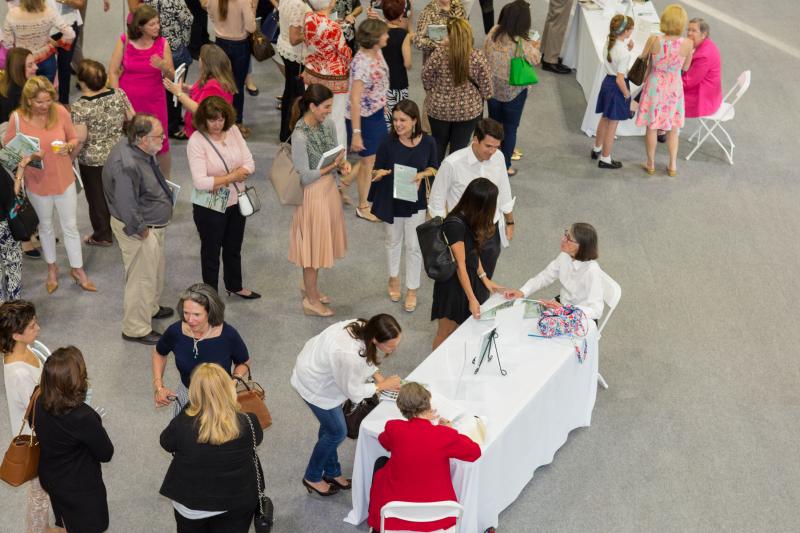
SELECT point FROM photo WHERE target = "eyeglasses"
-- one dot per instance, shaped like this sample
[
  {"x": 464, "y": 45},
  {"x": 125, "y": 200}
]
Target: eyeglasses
[
  {"x": 567, "y": 238},
  {"x": 159, "y": 137}
]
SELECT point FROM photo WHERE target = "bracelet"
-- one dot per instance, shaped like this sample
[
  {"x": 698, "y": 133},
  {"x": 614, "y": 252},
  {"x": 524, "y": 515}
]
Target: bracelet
[
  {"x": 482, "y": 275},
  {"x": 356, "y": 130}
]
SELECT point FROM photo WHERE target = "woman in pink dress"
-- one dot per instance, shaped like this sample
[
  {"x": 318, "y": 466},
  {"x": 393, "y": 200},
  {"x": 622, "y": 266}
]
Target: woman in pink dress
[
  {"x": 139, "y": 62},
  {"x": 661, "y": 106}
]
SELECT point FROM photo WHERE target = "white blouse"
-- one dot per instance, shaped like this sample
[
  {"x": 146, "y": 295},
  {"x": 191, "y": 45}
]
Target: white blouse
[
  {"x": 581, "y": 283},
  {"x": 329, "y": 369},
  {"x": 20, "y": 380}
]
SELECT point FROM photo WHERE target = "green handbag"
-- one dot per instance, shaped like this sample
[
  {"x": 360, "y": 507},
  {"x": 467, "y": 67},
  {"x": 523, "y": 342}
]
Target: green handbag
[{"x": 521, "y": 72}]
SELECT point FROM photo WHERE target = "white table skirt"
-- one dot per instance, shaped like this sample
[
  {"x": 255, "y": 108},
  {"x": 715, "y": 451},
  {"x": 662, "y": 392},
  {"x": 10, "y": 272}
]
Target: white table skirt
[
  {"x": 584, "y": 50},
  {"x": 546, "y": 394}
]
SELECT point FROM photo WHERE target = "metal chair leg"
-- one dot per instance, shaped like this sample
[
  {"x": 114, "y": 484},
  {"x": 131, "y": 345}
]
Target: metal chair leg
[{"x": 601, "y": 381}]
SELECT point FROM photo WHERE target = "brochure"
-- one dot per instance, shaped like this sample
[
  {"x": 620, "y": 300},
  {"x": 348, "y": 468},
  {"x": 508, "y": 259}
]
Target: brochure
[{"x": 405, "y": 188}]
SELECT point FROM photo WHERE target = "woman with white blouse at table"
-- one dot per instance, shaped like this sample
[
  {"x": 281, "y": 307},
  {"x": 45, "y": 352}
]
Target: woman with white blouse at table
[
  {"x": 338, "y": 364},
  {"x": 577, "y": 269}
]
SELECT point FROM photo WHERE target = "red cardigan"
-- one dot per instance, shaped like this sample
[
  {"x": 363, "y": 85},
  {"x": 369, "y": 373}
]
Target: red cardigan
[{"x": 419, "y": 469}]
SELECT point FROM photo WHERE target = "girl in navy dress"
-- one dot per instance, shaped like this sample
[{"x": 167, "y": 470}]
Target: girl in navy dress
[{"x": 614, "y": 100}]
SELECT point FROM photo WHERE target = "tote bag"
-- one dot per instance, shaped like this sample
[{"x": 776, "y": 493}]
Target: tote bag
[
  {"x": 521, "y": 72},
  {"x": 285, "y": 178}
]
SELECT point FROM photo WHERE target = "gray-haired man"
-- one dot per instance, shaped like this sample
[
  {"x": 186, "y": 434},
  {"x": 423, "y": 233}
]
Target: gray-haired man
[{"x": 140, "y": 202}]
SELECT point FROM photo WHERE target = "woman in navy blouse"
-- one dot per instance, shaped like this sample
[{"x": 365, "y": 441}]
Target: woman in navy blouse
[
  {"x": 407, "y": 146},
  {"x": 201, "y": 336}
]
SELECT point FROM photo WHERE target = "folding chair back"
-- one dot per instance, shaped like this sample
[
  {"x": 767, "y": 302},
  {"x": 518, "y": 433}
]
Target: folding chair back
[
  {"x": 422, "y": 512},
  {"x": 612, "y": 292}
]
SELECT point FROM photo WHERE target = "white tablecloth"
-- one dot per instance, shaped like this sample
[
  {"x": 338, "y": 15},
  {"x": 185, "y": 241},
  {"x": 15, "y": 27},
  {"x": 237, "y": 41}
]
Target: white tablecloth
[
  {"x": 584, "y": 50},
  {"x": 530, "y": 412}
]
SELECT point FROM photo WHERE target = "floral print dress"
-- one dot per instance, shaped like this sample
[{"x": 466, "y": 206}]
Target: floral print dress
[{"x": 661, "y": 105}]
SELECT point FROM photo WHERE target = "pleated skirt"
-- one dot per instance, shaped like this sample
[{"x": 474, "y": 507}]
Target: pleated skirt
[{"x": 318, "y": 235}]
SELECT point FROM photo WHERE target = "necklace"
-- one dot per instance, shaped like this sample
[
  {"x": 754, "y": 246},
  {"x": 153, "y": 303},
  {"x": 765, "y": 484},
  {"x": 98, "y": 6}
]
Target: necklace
[{"x": 195, "y": 340}]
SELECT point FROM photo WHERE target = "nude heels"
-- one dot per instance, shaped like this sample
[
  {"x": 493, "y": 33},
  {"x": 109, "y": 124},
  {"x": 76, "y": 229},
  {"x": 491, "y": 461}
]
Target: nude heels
[
  {"x": 316, "y": 310},
  {"x": 88, "y": 286}
]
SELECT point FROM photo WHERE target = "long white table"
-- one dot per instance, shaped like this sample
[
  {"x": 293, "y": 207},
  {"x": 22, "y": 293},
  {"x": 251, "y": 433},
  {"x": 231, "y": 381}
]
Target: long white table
[
  {"x": 546, "y": 394},
  {"x": 584, "y": 50}
]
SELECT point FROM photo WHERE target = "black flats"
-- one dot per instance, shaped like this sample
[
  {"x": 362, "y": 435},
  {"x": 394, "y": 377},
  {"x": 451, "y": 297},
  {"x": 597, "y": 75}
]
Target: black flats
[
  {"x": 338, "y": 485},
  {"x": 252, "y": 296}
]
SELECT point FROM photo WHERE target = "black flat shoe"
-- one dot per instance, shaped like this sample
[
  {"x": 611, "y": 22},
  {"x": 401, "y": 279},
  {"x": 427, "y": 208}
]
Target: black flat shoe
[
  {"x": 612, "y": 165},
  {"x": 163, "y": 312},
  {"x": 150, "y": 339},
  {"x": 252, "y": 296},
  {"x": 253, "y": 92},
  {"x": 338, "y": 485},
  {"x": 556, "y": 68},
  {"x": 595, "y": 155},
  {"x": 33, "y": 254},
  {"x": 331, "y": 491},
  {"x": 661, "y": 137}
]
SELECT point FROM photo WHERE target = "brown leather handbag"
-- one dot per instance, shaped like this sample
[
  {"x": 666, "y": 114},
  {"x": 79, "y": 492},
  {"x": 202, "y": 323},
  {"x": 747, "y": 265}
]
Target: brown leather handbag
[
  {"x": 638, "y": 70},
  {"x": 251, "y": 397},
  {"x": 260, "y": 47},
  {"x": 21, "y": 461}
]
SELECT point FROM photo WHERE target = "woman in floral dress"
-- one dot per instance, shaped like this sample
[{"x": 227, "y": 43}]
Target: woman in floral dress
[{"x": 661, "y": 105}]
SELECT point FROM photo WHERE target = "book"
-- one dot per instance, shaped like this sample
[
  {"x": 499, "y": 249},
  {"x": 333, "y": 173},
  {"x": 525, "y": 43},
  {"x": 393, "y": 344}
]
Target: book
[
  {"x": 17, "y": 148},
  {"x": 215, "y": 200},
  {"x": 175, "y": 189},
  {"x": 437, "y": 32},
  {"x": 329, "y": 156},
  {"x": 405, "y": 188},
  {"x": 178, "y": 80},
  {"x": 533, "y": 309}
]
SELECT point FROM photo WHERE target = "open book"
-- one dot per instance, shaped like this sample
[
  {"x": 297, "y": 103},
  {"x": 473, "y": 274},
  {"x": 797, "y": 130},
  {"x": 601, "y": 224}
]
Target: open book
[{"x": 17, "y": 148}]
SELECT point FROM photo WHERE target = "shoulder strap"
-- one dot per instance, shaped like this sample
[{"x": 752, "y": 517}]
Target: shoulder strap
[
  {"x": 217, "y": 151},
  {"x": 30, "y": 411},
  {"x": 16, "y": 121}
]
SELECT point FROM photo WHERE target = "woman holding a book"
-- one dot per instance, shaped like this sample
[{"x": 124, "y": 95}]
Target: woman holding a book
[
  {"x": 49, "y": 178},
  {"x": 318, "y": 236},
  {"x": 220, "y": 162}
]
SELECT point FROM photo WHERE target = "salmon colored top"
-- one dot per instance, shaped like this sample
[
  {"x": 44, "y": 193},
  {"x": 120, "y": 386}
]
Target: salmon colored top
[{"x": 57, "y": 174}]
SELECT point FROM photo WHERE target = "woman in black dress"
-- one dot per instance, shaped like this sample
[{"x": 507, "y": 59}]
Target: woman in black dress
[
  {"x": 73, "y": 444},
  {"x": 406, "y": 146},
  {"x": 469, "y": 228}
]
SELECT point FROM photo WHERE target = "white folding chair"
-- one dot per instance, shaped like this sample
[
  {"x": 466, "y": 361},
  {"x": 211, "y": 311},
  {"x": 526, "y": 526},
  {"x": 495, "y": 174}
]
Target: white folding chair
[
  {"x": 422, "y": 512},
  {"x": 612, "y": 292},
  {"x": 725, "y": 113}
]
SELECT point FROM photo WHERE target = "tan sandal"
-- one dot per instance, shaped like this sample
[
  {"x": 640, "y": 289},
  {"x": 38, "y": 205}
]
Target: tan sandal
[
  {"x": 411, "y": 300},
  {"x": 323, "y": 298},
  {"x": 394, "y": 289},
  {"x": 316, "y": 310}
]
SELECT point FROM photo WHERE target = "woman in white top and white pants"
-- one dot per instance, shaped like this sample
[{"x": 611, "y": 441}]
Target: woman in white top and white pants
[
  {"x": 22, "y": 368},
  {"x": 577, "y": 270},
  {"x": 338, "y": 364}
]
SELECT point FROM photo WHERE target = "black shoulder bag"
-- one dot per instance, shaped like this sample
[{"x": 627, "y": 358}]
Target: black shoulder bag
[{"x": 263, "y": 517}]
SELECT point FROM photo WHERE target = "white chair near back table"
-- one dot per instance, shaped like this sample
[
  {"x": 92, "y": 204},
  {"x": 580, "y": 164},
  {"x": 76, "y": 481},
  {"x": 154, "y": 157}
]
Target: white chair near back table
[
  {"x": 612, "y": 292},
  {"x": 422, "y": 512},
  {"x": 725, "y": 113}
]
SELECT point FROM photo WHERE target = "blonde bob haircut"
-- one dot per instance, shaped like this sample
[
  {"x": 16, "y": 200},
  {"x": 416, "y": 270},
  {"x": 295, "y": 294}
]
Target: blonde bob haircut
[
  {"x": 33, "y": 88},
  {"x": 212, "y": 399},
  {"x": 674, "y": 20},
  {"x": 459, "y": 49}
]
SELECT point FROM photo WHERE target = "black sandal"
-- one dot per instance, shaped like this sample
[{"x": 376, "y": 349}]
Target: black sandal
[
  {"x": 332, "y": 481},
  {"x": 179, "y": 135}
]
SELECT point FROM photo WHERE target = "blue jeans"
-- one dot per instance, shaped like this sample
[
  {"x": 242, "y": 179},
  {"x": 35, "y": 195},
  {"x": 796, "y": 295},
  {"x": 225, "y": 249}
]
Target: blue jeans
[
  {"x": 332, "y": 432},
  {"x": 48, "y": 68},
  {"x": 239, "y": 54},
  {"x": 508, "y": 114}
]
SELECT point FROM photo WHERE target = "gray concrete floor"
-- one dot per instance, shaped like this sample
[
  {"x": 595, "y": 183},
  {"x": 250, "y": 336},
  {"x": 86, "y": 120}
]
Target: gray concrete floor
[{"x": 698, "y": 429}]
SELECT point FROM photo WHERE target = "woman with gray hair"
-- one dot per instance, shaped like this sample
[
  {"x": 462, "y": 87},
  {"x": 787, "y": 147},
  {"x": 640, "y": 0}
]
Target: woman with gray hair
[{"x": 200, "y": 336}]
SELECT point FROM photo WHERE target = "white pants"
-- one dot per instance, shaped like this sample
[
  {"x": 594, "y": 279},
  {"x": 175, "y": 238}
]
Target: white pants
[
  {"x": 404, "y": 231},
  {"x": 337, "y": 116},
  {"x": 67, "y": 205}
]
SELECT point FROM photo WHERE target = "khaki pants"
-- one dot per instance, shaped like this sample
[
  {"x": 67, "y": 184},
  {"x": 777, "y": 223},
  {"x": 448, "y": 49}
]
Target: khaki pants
[
  {"x": 555, "y": 26},
  {"x": 144, "y": 277}
]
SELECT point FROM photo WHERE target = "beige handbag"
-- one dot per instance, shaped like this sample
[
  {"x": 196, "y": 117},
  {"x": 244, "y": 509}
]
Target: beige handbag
[{"x": 285, "y": 178}]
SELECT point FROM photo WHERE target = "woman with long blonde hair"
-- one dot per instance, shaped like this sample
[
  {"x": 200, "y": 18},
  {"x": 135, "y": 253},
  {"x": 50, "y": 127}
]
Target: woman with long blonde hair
[
  {"x": 49, "y": 178},
  {"x": 457, "y": 81},
  {"x": 212, "y": 478}
]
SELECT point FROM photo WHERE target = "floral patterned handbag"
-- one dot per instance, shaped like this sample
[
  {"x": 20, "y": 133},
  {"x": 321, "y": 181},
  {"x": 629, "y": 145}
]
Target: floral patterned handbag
[{"x": 566, "y": 321}]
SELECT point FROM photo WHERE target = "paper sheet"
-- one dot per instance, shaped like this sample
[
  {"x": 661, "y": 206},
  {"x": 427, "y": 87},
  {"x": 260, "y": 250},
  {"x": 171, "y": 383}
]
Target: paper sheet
[{"x": 405, "y": 188}]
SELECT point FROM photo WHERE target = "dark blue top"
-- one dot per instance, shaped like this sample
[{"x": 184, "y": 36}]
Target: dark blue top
[
  {"x": 226, "y": 350},
  {"x": 381, "y": 193}
]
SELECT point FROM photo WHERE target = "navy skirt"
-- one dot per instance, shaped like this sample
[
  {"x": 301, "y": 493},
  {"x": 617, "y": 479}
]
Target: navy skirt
[
  {"x": 373, "y": 131},
  {"x": 611, "y": 102}
]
